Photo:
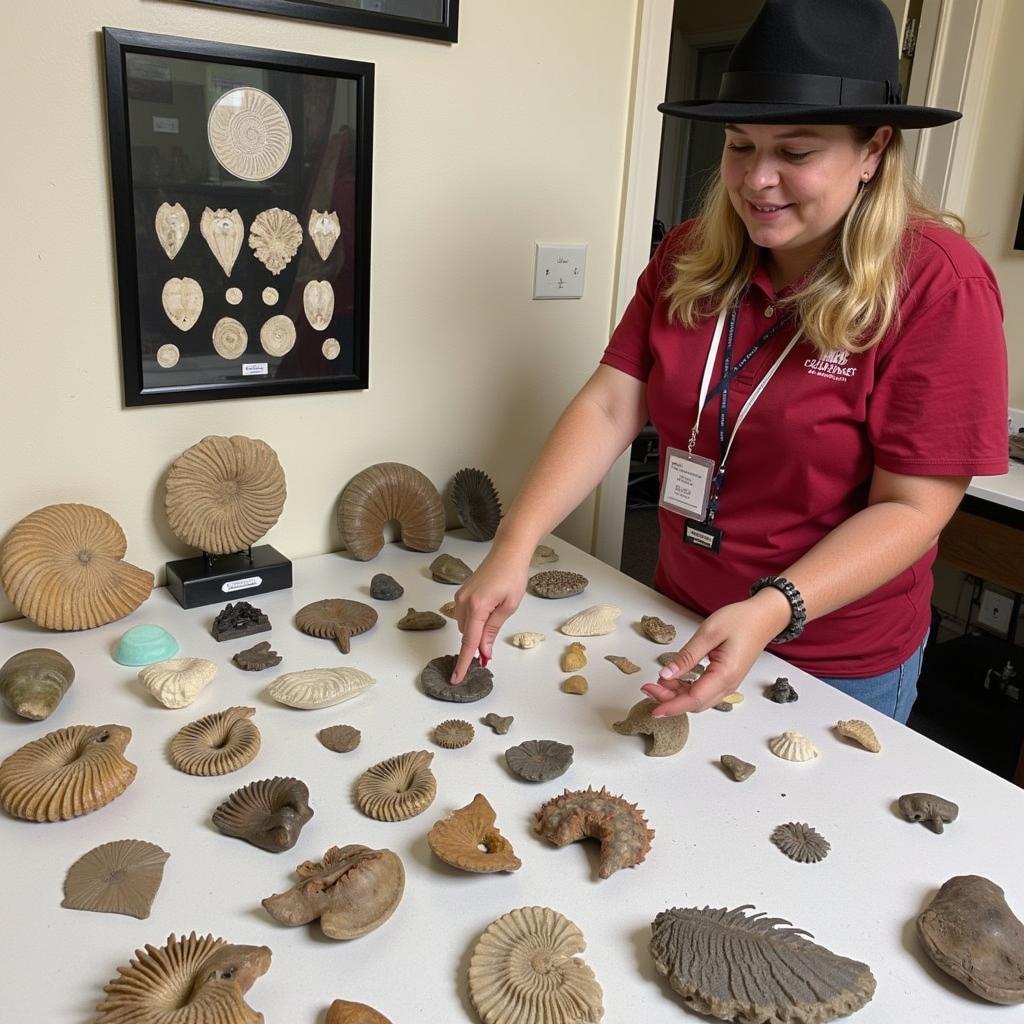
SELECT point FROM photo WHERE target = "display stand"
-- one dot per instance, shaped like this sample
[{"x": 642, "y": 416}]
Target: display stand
[{"x": 209, "y": 579}]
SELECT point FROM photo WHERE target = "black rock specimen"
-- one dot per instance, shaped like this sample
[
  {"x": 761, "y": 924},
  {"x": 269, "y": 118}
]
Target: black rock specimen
[
  {"x": 385, "y": 588},
  {"x": 239, "y": 619},
  {"x": 781, "y": 692},
  {"x": 254, "y": 659}
]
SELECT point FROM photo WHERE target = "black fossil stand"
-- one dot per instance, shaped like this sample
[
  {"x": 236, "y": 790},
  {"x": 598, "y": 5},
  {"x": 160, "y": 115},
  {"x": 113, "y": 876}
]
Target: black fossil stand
[{"x": 211, "y": 579}]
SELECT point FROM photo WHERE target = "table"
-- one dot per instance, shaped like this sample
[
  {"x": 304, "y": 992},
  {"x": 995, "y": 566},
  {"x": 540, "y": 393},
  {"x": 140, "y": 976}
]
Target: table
[{"x": 711, "y": 845}]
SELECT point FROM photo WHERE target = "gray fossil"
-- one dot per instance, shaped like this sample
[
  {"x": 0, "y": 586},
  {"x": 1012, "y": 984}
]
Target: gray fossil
[
  {"x": 556, "y": 583},
  {"x": 385, "y": 588},
  {"x": 739, "y": 770},
  {"x": 667, "y": 735},
  {"x": 436, "y": 680},
  {"x": 929, "y": 809},
  {"x": 799, "y": 842},
  {"x": 781, "y": 692},
  {"x": 419, "y": 621},
  {"x": 539, "y": 760},
  {"x": 500, "y": 724}
]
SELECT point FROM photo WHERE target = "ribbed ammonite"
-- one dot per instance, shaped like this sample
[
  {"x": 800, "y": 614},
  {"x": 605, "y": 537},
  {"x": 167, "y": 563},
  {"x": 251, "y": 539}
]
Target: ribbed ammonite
[
  {"x": 337, "y": 619},
  {"x": 476, "y": 503},
  {"x": 224, "y": 493},
  {"x": 216, "y": 744},
  {"x": 524, "y": 969},
  {"x": 385, "y": 492},
  {"x": 269, "y": 813},
  {"x": 62, "y": 567},
  {"x": 400, "y": 787},
  {"x": 468, "y": 839},
  {"x": 66, "y": 773}
]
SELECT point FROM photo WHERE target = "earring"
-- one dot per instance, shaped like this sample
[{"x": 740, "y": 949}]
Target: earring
[{"x": 866, "y": 177}]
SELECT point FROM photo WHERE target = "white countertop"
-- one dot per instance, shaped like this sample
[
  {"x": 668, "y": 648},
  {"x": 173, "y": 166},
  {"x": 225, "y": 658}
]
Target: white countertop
[
  {"x": 711, "y": 845},
  {"x": 1006, "y": 489}
]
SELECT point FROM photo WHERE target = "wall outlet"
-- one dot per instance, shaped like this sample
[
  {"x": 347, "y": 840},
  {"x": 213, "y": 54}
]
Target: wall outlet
[
  {"x": 560, "y": 270},
  {"x": 995, "y": 611}
]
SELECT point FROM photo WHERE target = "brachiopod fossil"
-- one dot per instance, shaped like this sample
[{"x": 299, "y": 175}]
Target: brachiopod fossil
[
  {"x": 337, "y": 619},
  {"x": 539, "y": 760},
  {"x": 385, "y": 588},
  {"x": 318, "y": 304},
  {"x": 167, "y": 356},
  {"x": 223, "y": 231},
  {"x": 525, "y": 640},
  {"x": 216, "y": 744},
  {"x": 319, "y": 687},
  {"x": 799, "y": 842},
  {"x": 277, "y": 335},
  {"x": 655, "y": 629},
  {"x": 476, "y": 503},
  {"x": 324, "y": 230},
  {"x": 792, "y": 746},
  {"x": 597, "y": 620},
  {"x": 230, "y": 338},
  {"x": 331, "y": 348},
  {"x": 400, "y": 787},
  {"x": 182, "y": 299},
  {"x": 458, "y": 839},
  {"x": 172, "y": 226},
  {"x": 233, "y": 296},
  {"x": 269, "y": 813},
  {"x": 249, "y": 133},
  {"x": 574, "y": 658},
  {"x": 270, "y": 295},
  {"x": 667, "y": 735},
  {"x": 275, "y": 237},
  {"x": 33, "y": 682},
  {"x": 116, "y": 878},
  {"x": 453, "y": 734},
  {"x": 929, "y": 809},
  {"x": 860, "y": 732},
  {"x": 177, "y": 682},
  {"x": 340, "y": 738}
]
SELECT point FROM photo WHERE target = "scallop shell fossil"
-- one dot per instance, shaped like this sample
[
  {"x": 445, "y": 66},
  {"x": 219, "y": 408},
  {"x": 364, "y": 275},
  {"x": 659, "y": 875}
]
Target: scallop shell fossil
[
  {"x": 597, "y": 620},
  {"x": 337, "y": 619},
  {"x": 539, "y": 760},
  {"x": 116, "y": 878},
  {"x": 182, "y": 299},
  {"x": 453, "y": 733},
  {"x": 792, "y": 746},
  {"x": 188, "y": 981},
  {"x": 799, "y": 842},
  {"x": 319, "y": 687},
  {"x": 66, "y": 773},
  {"x": 62, "y": 567},
  {"x": 324, "y": 230},
  {"x": 275, "y": 237},
  {"x": 167, "y": 356},
  {"x": 344, "y": 1011},
  {"x": 216, "y": 744},
  {"x": 224, "y": 493},
  {"x": 33, "y": 682},
  {"x": 269, "y": 813},
  {"x": 386, "y": 491},
  {"x": 249, "y": 134},
  {"x": 230, "y": 338},
  {"x": 523, "y": 968},
  {"x": 177, "y": 682},
  {"x": 860, "y": 732},
  {"x": 223, "y": 231},
  {"x": 400, "y": 787},
  {"x": 476, "y": 503},
  {"x": 318, "y": 304},
  {"x": 667, "y": 735},
  {"x": 458, "y": 839},
  {"x": 277, "y": 335},
  {"x": 525, "y": 641},
  {"x": 172, "y": 226}
]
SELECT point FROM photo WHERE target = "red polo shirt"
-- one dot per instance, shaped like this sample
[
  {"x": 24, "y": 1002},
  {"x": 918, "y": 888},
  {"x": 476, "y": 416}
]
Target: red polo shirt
[{"x": 929, "y": 400}]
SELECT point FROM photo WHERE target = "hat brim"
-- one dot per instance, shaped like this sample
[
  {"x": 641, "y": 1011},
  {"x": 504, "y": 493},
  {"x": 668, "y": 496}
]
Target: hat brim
[{"x": 899, "y": 115}]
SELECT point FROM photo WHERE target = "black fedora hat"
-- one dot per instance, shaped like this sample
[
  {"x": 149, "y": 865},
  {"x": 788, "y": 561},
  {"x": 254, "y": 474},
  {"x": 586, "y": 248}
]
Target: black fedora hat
[{"x": 814, "y": 62}]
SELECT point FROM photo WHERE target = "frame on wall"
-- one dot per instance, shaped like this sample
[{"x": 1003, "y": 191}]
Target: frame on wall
[
  {"x": 241, "y": 185},
  {"x": 1018, "y": 242}
]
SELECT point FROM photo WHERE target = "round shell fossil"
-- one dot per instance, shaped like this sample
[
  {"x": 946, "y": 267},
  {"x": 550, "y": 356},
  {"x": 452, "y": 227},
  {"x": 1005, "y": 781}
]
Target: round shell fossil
[
  {"x": 270, "y": 295},
  {"x": 224, "y": 493},
  {"x": 453, "y": 734},
  {"x": 324, "y": 230},
  {"x": 384, "y": 492},
  {"x": 860, "y": 732},
  {"x": 336, "y": 619},
  {"x": 799, "y": 842},
  {"x": 524, "y": 968},
  {"x": 556, "y": 583},
  {"x": 400, "y": 787},
  {"x": 435, "y": 679},
  {"x": 331, "y": 348},
  {"x": 340, "y": 738},
  {"x": 277, "y": 335},
  {"x": 476, "y": 503},
  {"x": 177, "y": 682},
  {"x": 319, "y": 687},
  {"x": 792, "y": 746},
  {"x": 66, "y": 773},
  {"x": 116, "y": 878},
  {"x": 230, "y": 338},
  {"x": 318, "y": 304},
  {"x": 182, "y": 299},
  {"x": 344, "y": 1011},
  {"x": 458, "y": 839},
  {"x": 275, "y": 237},
  {"x": 233, "y": 296},
  {"x": 62, "y": 567},
  {"x": 269, "y": 813},
  {"x": 33, "y": 682},
  {"x": 667, "y": 735},
  {"x": 188, "y": 981},
  {"x": 539, "y": 760},
  {"x": 224, "y": 232},
  {"x": 249, "y": 133},
  {"x": 597, "y": 620},
  {"x": 216, "y": 744},
  {"x": 172, "y": 224},
  {"x": 167, "y": 356}
]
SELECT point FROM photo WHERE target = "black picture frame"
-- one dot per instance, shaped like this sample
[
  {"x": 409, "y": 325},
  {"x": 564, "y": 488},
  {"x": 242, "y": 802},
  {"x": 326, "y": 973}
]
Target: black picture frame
[
  {"x": 444, "y": 28},
  {"x": 1018, "y": 242},
  {"x": 167, "y": 86}
]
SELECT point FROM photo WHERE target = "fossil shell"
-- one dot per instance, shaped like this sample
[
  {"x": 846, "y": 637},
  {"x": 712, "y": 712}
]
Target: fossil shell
[
  {"x": 318, "y": 304},
  {"x": 419, "y": 621},
  {"x": 739, "y": 770},
  {"x": 476, "y": 503},
  {"x": 542, "y": 555},
  {"x": 457, "y": 840},
  {"x": 622, "y": 663},
  {"x": 449, "y": 569},
  {"x": 574, "y": 657},
  {"x": 556, "y": 583},
  {"x": 177, "y": 682},
  {"x": 386, "y": 491},
  {"x": 781, "y": 692},
  {"x": 733, "y": 698},
  {"x": 597, "y": 620},
  {"x": 237, "y": 619},
  {"x": 575, "y": 684},
  {"x": 223, "y": 231},
  {"x": 722, "y": 706},
  {"x": 230, "y": 338},
  {"x": 257, "y": 657},
  {"x": 448, "y": 608},
  {"x": 216, "y": 744},
  {"x": 331, "y": 348},
  {"x": 33, "y": 682},
  {"x": 385, "y": 588},
  {"x": 66, "y": 773},
  {"x": 453, "y": 734},
  {"x": 438, "y": 671},
  {"x": 62, "y": 567},
  {"x": 735, "y": 966},
  {"x": 269, "y": 813},
  {"x": 324, "y": 230},
  {"x": 791, "y": 746},
  {"x": 667, "y": 735},
  {"x": 340, "y": 738},
  {"x": 224, "y": 493},
  {"x": 233, "y": 296},
  {"x": 860, "y": 732},
  {"x": 270, "y": 295},
  {"x": 182, "y": 299},
  {"x": 336, "y": 619},
  {"x": 167, "y": 356},
  {"x": 249, "y": 134},
  {"x": 343, "y": 1011},
  {"x": 275, "y": 237},
  {"x": 526, "y": 641},
  {"x": 400, "y": 787},
  {"x": 523, "y": 969},
  {"x": 655, "y": 629},
  {"x": 116, "y": 878},
  {"x": 932, "y": 811},
  {"x": 539, "y": 760},
  {"x": 319, "y": 687},
  {"x": 172, "y": 226},
  {"x": 188, "y": 981},
  {"x": 277, "y": 335},
  {"x": 499, "y": 724},
  {"x": 799, "y": 842}
]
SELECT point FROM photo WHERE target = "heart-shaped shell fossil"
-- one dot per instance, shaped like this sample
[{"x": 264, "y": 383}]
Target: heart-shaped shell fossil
[
  {"x": 526, "y": 641},
  {"x": 799, "y": 842},
  {"x": 524, "y": 969},
  {"x": 597, "y": 620},
  {"x": 792, "y": 746},
  {"x": 172, "y": 226},
  {"x": 116, "y": 878},
  {"x": 275, "y": 237},
  {"x": 476, "y": 503},
  {"x": 177, "y": 682},
  {"x": 539, "y": 760},
  {"x": 188, "y": 981},
  {"x": 269, "y": 813},
  {"x": 223, "y": 231},
  {"x": 277, "y": 335},
  {"x": 655, "y": 629},
  {"x": 230, "y": 338},
  {"x": 436, "y": 680},
  {"x": 340, "y": 738},
  {"x": 400, "y": 787},
  {"x": 453, "y": 734},
  {"x": 384, "y": 492},
  {"x": 337, "y": 619},
  {"x": 182, "y": 299},
  {"x": 224, "y": 493},
  {"x": 667, "y": 735},
  {"x": 67, "y": 773},
  {"x": 216, "y": 744},
  {"x": 318, "y": 304},
  {"x": 324, "y": 230},
  {"x": 319, "y": 687},
  {"x": 249, "y": 133},
  {"x": 556, "y": 583},
  {"x": 574, "y": 657},
  {"x": 33, "y": 682},
  {"x": 468, "y": 839},
  {"x": 343, "y": 1011},
  {"x": 860, "y": 732},
  {"x": 62, "y": 567}
]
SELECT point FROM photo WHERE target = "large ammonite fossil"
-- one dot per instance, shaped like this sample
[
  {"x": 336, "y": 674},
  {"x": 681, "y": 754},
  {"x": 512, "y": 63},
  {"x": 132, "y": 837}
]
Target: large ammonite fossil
[
  {"x": 249, "y": 134},
  {"x": 468, "y": 839},
  {"x": 524, "y": 969},
  {"x": 385, "y": 492},
  {"x": 269, "y": 813},
  {"x": 476, "y": 503},
  {"x": 66, "y": 773},
  {"x": 224, "y": 493},
  {"x": 188, "y": 981},
  {"x": 216, "y": 744},
  {"x": 337, "y": 619},
  {"x": 400, "y": 787},
  {"x": 61, "y": 566}
]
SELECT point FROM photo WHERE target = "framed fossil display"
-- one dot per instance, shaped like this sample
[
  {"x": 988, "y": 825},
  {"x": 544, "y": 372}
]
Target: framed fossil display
[{"x": 241, "y": 195}]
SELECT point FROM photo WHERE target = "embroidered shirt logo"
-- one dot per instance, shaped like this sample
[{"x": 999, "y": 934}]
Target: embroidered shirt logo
[{"x": 832, "y": 365}]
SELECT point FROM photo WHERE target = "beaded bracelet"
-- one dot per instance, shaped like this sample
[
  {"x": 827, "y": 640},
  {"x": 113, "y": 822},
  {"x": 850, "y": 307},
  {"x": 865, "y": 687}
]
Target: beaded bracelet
[{"x": 797, "y": 611}]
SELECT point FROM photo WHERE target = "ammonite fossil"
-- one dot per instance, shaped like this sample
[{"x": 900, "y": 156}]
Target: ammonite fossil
[
  {"x": 476, "y": 503},
  {"x": 539, "y": 760},
  {"x": 182, "y": 299},
  {"x": 557, "y": 583},
  {"x": 595, "y": 621},
  {"x": 116, "y": 878},
  {"x": 62, "y": 567},
  {"x": 932, "y": 811},
  {"x": 33, "y": 682},
  {"x": 449, "y": 569},
  {"x": 336, "y": 619},
  {"x": 343, "y": 1011},
  {"x": 230, "y": 338},
  {"x": 224, "y": 493},
  {"x": 269, "y": 813},
  {"x": 275, "y": 237},
  {"x": 216, "y": 744},
  {"x": 319, "y": 687},
  {"x": 468, "y": 839},
  {"x": 860, "y": 732},
  {"x": 620, "y": 827},
  {"x": 384, "y": 492},
  {"x": 224, "y": 232},
  {"x": 655, "y": 629},
  {"x": 792, "y": 746},
  {"x": 353, "y": 890},
  {"x": 400, "y": 787},
  {"x": 172, "y": 224},
  {"x": 436, "y": 680},
  {"x": 318, "y": 304},
  {"x": 453, "y": 734},
  {"x": 799, "y": 842},
  {"x": 249, "y": 133},
  {"x": 190, "y": 980},
  {"x": 523, "y": 969},
  {"x": 324, "y": 230},
  {"x": 177, "y": 682},
  {"x": 667, "y": 735},
  {"x": 67, "y": 773},
  {"x": 340, "y": 738}
]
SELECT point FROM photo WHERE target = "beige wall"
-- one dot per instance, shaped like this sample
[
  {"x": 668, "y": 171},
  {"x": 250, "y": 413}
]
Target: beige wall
[{"x": 514, "y": 135}]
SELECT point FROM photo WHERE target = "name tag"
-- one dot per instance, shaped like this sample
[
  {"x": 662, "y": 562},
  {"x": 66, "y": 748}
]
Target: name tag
[{"x": 687, "y": 483}]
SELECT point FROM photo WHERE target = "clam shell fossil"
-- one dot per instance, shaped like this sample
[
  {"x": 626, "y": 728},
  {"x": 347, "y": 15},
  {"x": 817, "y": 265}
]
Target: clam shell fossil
[
  {"x": 167, "y": 356},
  {"x": 739, "y": 770},
  {"x": 319, "y": 687},
  {"x": 932, "y": 811},
  {"x": 860, "y": 732},
  {"x": 66, "y": 773},
  {"x": 33, "y": 682},
  {"x": 224, "y": 493},
  {"x": 500, "y": 724},
  {"x": 277, "y": 335},
  {"x": 476, "y": 503},
  {"x": 655, "y": 629},
  {"x": 257, "y": 657},
  {"x": 453, "y": 734},
  {"x": 275, "y": 237},
  {"x": 269, "y": 813},
  {"x": 458, "y": 839},
  {"x": 449, "y": 569},
  {"x": 177, "y": 682},
  {"x": 435, "y": 677},
  {"x": 557, "y": 583},
  {"x": 598, "y": 620},
  {"x": 524, "y": 969},
  {"x": 233, "y": 296},
  {"x": 381, "y": 493},
  {"x": 792, "y": 746},
  {"x": 324, "y": 230},
  {"x": 340, "y": 738},
  {"x": 188, "y": 981},
  {"x": 575, "y": 684},
  {"x": 736, "y": 966},
  {"x": 539, "y": 760},
  {"x": 216, "y": 744},
  {"x": 318, "y": 304},
  {"x": 230, "y": 338},
  {"x": 419, "y": 621},
  {"x": 62, "y": 567},
  {"x": 182, "y": 299},
  {"x": 799, "y": 842},
  {"x": 249, "y": 133},
  {"x": 400, "y": 787},
  {"x": 343, "y": 1011},
  {"x": 337, "y": 619},
  {"x": 331, "y": 348},
  {"x": 116, "y": 878},
  {"x": 172, "y": 226},
  {"x": 526, "y": 641},
  {"x": 574, "y": 657},
  {"x": 622, "y": 663},
  {"x": 223, "y": 231},
  {"x": 667, "y": 735}
]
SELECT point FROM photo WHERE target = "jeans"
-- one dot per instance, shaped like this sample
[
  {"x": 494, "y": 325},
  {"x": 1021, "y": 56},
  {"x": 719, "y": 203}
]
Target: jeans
[{"x": 893, "y": 693}]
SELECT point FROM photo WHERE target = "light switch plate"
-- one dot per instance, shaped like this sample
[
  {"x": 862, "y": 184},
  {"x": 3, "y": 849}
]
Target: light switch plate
[{"x": 560, "y": 271}]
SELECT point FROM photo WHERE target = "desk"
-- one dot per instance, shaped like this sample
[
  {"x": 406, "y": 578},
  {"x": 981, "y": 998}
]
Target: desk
[{"x": 711, "y": 844}]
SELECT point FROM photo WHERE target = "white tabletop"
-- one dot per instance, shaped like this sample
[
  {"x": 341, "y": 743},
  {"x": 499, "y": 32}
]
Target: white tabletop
[
  {"x": 1006, "y": 489},
  {"x": 711, "y": 845}
]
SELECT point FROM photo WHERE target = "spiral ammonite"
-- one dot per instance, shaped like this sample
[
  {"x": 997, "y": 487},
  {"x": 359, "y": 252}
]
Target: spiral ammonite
[
  {"x": 249, "y": 134},
  {"x": 217, "y": 744},
  {"x": 400, "y": 787},
  {"x": 229, "y": 338}
]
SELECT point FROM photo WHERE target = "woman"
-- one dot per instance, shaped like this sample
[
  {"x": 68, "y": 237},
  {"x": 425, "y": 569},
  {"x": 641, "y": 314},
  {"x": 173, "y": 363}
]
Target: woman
[{"x": 823, "y": 359}]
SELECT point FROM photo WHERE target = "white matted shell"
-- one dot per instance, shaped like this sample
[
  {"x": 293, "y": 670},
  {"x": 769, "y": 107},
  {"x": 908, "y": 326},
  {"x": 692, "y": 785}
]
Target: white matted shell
[
  {"x": 177, "y": 682},
  {"x": 233, "y": 296},
  {"x": 277, "y": 335},
  {"x": 275, "y": 237},
  {"x": 224, "y": 232},
  {"x": 249, "y": 134},
  {"x": 860, "y": 732},
  {"x": 116, "y": 878},
  {"x": 182, "y": 299},
  {"x": 324, "y": 230},
  {"x": 524, "y": 969},
  {"x": 331, "y": 348},
  {"x": 400, "y": 787},
  {"x": 319, "y": 687},
  {"x": 597, "y": 620},
  {"x": 792, "y": 746},
  {"x": 167, "y": 356},
  {"x": 216, "y": 744},
  {"x": 172, "y": 226},
  {"x": 318, "y": 304},
  {"x": 230, "y": 338}
]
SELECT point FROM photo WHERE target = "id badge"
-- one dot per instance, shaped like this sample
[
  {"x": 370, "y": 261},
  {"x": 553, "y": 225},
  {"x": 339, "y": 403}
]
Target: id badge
[{"x": 687, "y": 483}]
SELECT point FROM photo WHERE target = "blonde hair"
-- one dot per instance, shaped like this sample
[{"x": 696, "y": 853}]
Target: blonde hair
[{"x": 852, "y": 295}]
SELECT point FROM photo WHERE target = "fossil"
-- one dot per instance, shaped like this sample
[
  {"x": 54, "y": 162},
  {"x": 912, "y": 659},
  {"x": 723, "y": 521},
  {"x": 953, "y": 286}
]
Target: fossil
[
  {"x": 420, "y": 621},
  {"x": 400, "y": 787},
  {"x": 739, "y": 770},
  {"x": 860, "y": 732},
  {"x": 275, "y": 237},
  {"x": 270, "y": 295},
  {"x": 66, "y": 773},
  {"x": 182, "y": 299},
  {"x": 575, "y": 684},
  {"x": 331, "y": 348},
  {"x": 233, "y": 296},
  {"x": 722, "y": 706},
  {"x": 448, "y": 609},
  {"x": 542, "y": 555},
  {"x": 144, "y": 645},
  {"x": 277, "y": 335},
  {"x": 781, "y": 692},
  {"x": 449, "y": 569},
  {"x": 269, "y": 813},
  {"x": 344, "y": 1011},
  {"x": 799, "y": 842},
  {"x": 230, "y": 338},
  {"x": 932, "y": 811},
  {"x": 735, "y": 966},
  {"x": 238, "y": 619},
  {"x": 167, "y": 356},
  {"x": 525, "y": 641},
  {"x": 116, "y": 878},
  {"x": 385, "y": 588},
  {"x": 435, "y": 679},
  {"x": 499, "y": 724},
  {"x": 314, "y": 688},
  {"x": 216, "y": 744},
  {"x": 654, "y": 629},
  {"x": 177, "y": 682},
  {"x": 172, "y": 226},
  {"x": 324, "y": 231},
  {"x": 667, "y": 735},
  {"x": 257, "y": 657},
  {"x": 337, "y": 619},
  {"x": 468, "y": 839},
  {"x": 597, "y": 620},
  {"x": 224, "y": 232},
  {"x": 384, "y": 492},
  {"x": 524, "y": 969},
  {"x": 574, "y": 657},
  {"x": 539, "y": 760},
  {"x": 453, "y": 733},
  {"x": 249, "y": 133},
  {"x": 476, "y": 503},
  {"x": 623, "y": 664},
  {"x": 33, "y": 682},
  {"x": 340, "y": 738},
  {"x": 63, "y": 567},
  {"x": 556, "y": 583},
  {"x": 733, "y": 698},
  {"x": 792, "y": 746},
  {"x": 318, "y": 304}
]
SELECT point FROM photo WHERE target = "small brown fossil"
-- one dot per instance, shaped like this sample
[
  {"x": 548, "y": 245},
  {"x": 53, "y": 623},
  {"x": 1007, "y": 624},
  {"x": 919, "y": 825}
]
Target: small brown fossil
[
  {"x": 257, "y": 658},
  {"x": 575, "y": 684},
  {"x": 542, "y": 555},
  {"x": 668, "y": 735},
  {"x": 340, "y": 738},
  {"x": 739, "y": 770},
  {"x": 418, "y": 621},
  {"x": 574, "y": 658},
  {"x": 448, "y": 609},
  {"x": 928, "y": 809},
  {"x": 216, "y": 744},
  {"x": 622, "y": 663},
  {"x": 400, "y": 787},
  {"x": 449, "y": 569},
  {"x": 269, "y": 813},
  {"x": 557, "y": 583},
  {"x": 655, "y": 629},
  {"x": 500, "y": 724},
  {"x": 468, "y": 839},
  {"x": 722, "y": 706},
  {"x": 116, "y": 878},
  {"x": 336, "y": 619},
  {"x": 343, "y": 1011},
  {"x": 453, "y": 734}
]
